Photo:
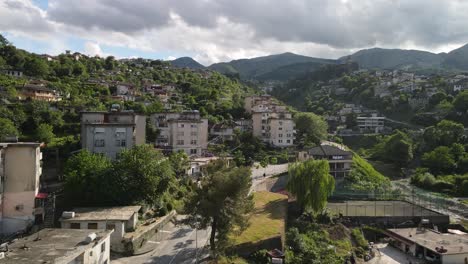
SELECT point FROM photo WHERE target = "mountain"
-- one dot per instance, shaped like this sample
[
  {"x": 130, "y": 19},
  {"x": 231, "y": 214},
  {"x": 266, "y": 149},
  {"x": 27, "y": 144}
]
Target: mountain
[
  {"x": 457, "y": 59},
  {"x": 255, "y": 68},
  {"x": 186, "y": 62},
  {"x": 395, "y": 58}
]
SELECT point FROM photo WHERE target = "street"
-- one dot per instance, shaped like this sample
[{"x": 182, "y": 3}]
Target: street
[{"x": 179, "y": 247}]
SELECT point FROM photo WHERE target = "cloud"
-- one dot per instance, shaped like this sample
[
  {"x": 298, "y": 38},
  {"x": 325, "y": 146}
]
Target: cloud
[
  {"x": 93, "y": 49},
  {"x": 219, "y": 30}
]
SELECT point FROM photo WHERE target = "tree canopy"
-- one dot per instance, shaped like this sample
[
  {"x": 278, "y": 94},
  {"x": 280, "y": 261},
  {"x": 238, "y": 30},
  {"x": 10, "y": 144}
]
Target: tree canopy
[
  {"x": 311, "y": 183},
  {"x": 222, "y": 202},
  {"x": 311, "y": 128},
  {"x": 7, "y": 128}
]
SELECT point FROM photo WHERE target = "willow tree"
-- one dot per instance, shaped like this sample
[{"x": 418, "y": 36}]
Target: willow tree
[{"x": 311, "y": 183}]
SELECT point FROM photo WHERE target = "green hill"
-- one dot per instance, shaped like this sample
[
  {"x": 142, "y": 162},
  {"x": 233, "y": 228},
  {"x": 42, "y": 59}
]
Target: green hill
[{"x": 186, "y": 62}]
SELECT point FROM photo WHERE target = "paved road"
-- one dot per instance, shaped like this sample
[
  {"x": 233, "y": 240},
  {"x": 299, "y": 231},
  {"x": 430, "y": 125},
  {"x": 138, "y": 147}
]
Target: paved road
[
  {"x": 270, "y": 170},
  {"x": 391, "y": 255},
  {"x": 178, "y": 248}
]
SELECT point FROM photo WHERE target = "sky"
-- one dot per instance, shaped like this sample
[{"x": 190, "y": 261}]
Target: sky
[{"x": 213, "y": 31}]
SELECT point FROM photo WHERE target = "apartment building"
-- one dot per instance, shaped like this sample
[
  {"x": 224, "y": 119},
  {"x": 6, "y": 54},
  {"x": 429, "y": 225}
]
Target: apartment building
[
  {"x": 38, "y": 92},
  {"x": 257, "y": 100},
  {"x": 371, "y": 124},
  {"x": 21, "y": 204},
  {"x": 60, "y": 246},
  {"x": 339, "y": 159},
  {"x": 110, "y": 132},
  {"x": 275, "y": 128},
  {"x": 185, "y": 131}
]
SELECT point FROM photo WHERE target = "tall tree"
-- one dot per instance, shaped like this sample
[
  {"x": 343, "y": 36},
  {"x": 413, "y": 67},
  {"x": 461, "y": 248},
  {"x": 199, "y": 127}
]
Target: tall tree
[
  {"x": 445, "y": 133},
  {"x": 3, "y": 41},
  {"x": 144, "y": 174},
  {"x": 36, "y": 67},
  {"x": 311, "y": 183},
  {"x": 180, "y": 162},
  {"x": 222, "y": 202},
  {"x": 311, "y": 128},
  {"x": 45, "y": 133}
]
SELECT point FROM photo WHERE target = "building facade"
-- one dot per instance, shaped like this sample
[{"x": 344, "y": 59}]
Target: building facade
[
  {"x": 185, "y": 131},
  {"x": 20, "y": 202},
  {"x": 120, "y": 219},
  {"x": 275, "y": 128},
  {"x": 371, "y": 124},
  {"x": 340, "y": 160},
  {"x": 110, "y": 132}
]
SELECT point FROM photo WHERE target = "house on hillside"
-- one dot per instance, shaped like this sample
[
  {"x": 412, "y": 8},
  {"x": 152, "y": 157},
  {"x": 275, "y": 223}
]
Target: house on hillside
[
  {"x": 340, "y": 160},
  {"x": 38, "y": 92}
]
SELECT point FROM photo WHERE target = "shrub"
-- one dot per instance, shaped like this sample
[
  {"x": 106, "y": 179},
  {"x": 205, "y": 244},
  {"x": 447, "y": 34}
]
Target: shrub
[
  {"x": 259, "y": 257},
  {"x": 359, "y": 238}
]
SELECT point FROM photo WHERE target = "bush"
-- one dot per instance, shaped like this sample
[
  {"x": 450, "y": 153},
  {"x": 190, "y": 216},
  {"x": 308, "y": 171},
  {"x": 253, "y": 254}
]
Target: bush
[
  {"x": 359, "y": 238},
  {"x": 259, "y": 257}
]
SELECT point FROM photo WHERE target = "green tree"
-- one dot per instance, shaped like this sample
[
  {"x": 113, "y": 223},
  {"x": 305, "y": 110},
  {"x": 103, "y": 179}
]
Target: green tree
[
  {"x": 87, "y": 180},
  {"x": 311, "y": 183},
  {"x": 439, "y": 161},
  {"x": 445, "y": 133},
  {"x": 311, "y": 128},
  {"x": 396, "y": 148},
  {"x": 7, "y": 128},
  {"x": 461, "y": 101},
  {"x": 36, "y": 67},
  {"x": 109, "y": 63},
  {"x": 222, "y": 201},
  {"x": 3, "y": 41},
  {"x": 144, "y": 174},
  {"x": 180, "y": 162},
  {"x": 45, "y": 133}
]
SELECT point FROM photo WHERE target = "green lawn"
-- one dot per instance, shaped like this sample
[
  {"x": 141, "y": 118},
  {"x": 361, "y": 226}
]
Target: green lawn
[{"x": 267, "y": 219}]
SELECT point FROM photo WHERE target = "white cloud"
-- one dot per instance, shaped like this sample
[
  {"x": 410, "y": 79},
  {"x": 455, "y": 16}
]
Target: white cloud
[
  {"x": 213, "y": 31},
  {"x": 170, "y": 58}
]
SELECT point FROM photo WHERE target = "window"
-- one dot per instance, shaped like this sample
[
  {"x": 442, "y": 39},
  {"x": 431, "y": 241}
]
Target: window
[
  {"x": 75, "y": 225},
  {"x": 288, "y": 135},
  {"x": 193, "y": 151},
  {"x": 280, "y": 141},
  {"x": 110, "y": 226},
  {"x": 193, "y": 126},
  {"x": 194, "y": 133},
  {"x": 120, "y": 132},
  {"x": 120, "y": 143},
  {"x": 103, "y": 247},
  {"x": 181, "y": 125},
  {"x": 281, "y": 123},
  {"x": 180, "y": 133},
  {"x": 280, "y": 135},
  {"x": 193, "y": 142},
  {"x": 288, "y": 141},
  {"x": 180, "y": 142},
  {"x": 98, "y": 130},
  {"x": 92, "y": 225},
  {"x": 280, "y": 128},
  {"x": 99, "y": 143}
]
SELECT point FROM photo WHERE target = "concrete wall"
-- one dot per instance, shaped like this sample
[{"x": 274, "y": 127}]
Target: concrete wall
[
  {"x": 187, "y": 131},
  {"x": 140, "y": 130},
  {"x": 95, "y": 255},
  {"x": 116, "y": 236},
  {"x": 455, "y": 259},
  {"x": 22, "y": 170}
]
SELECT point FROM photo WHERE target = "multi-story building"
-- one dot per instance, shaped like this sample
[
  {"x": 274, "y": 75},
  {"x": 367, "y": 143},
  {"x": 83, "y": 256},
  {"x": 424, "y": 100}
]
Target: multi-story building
[
  {"x": 257, "y": 100},
  {"x": 60, "y": 246},
  {"x": 110, "y": 132},
  {"x": 371, "y": 124},
  {"x": 185, "y": 131},
  {"x": 21, "y": 204},
  {"x": 38, "y": 92},
  {"x": 340, "y": 160},
  {"x": 275, "y": 128}
]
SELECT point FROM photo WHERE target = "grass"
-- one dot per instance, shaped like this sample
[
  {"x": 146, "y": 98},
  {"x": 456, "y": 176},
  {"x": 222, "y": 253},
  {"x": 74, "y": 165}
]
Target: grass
[{"x": 267, "y": 219}]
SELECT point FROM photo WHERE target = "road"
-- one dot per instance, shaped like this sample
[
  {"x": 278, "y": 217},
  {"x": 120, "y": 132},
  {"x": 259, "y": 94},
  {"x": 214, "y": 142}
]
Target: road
[{"x": 178, "y": 248}]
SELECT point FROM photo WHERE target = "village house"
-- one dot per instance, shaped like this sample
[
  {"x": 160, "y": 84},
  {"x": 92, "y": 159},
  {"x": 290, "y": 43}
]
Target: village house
[
  {"x": 431, "y": 245},
  {"x": 38, "y": 92},
  {"x": 185, "y": 131},
  {"x": 110, "y": 132},
  {"x": 339, "y": 159},
  {"x": 13, "y": 73},
  {"x": 21, "y": 203},
  {"x": 460, "y": 85},
  {"x": 60, "y": 246},
  {"x": 120, "y": 219},
  {"x": 223, "y": 131}
]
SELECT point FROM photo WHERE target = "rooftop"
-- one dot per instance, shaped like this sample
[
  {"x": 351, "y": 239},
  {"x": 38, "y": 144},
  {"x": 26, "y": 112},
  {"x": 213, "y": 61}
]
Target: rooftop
[
  {"x": 117, "y": 213},
  {"x": 327, "y": 150},
  {"x": 20, "y": 144},
  {"x": 51, "y": 246},
  {"x": 454, "y": 244}
]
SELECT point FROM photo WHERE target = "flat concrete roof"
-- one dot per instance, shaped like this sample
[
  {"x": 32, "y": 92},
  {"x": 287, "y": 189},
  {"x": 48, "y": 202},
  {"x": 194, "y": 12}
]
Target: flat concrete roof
[
  {"x": 52, "y": 246},
  {"x": 430, "y": 239},
  {"x": 20, "y": 144},
  {"x": 117, "y": 213},
  {"x": 356, "y": 208}
]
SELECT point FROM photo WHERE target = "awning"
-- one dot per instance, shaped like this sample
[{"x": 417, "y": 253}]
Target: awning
[{"x": 41, "y": 195}]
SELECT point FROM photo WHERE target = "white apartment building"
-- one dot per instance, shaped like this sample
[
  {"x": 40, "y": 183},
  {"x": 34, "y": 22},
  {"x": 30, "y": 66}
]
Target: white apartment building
[
  {"x": 185, "y": 131},
  {"x": 260, "y": 101},
  {"x": 60, "y": 246},
  {"x": 275, "y": 128},
  {"x": 20, "y": 200},
  {"x": 371, "y": 124},
  {"x": 110, "y": 132}
]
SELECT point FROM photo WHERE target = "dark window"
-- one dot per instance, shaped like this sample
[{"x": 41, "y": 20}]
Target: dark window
[
  {"x": 92, "y": 225},
  {"x": 75, "y": 225},
  {"x": 110, "y": 227},
  {"x": 103, "y": 247}
]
